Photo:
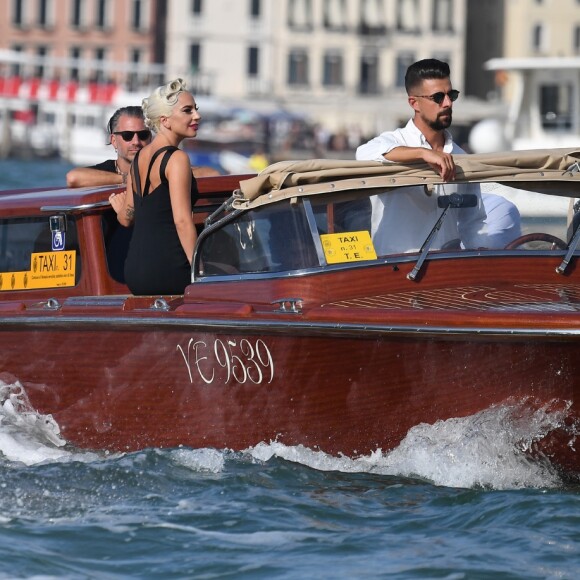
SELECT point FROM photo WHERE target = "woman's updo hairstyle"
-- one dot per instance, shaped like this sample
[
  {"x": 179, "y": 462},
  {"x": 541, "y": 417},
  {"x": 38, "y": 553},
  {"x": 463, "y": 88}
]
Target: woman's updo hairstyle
[{"x": 161, "y": 102}]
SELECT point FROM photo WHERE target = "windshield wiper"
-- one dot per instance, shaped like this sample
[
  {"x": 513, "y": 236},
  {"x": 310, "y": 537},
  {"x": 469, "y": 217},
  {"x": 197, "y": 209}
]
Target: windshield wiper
[
  {"x": 570, "y": 251},
  {"x": 455, "y": 200}
]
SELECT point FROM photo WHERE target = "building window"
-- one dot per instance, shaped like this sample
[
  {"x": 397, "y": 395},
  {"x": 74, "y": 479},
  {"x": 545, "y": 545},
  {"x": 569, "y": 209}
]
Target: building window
[
  {"x": 194, "y": 57},
  {"x": 100, "y": 57},
  {"x": 538, "y": 37},
  {"x": 42, "y": 52},
  {"x": 404, "y": 61},
  {"x": 44, "y": 13},
  {"x": 332, "y": 69},
  {"x": 442, "y": 15},
  {"x": 334, "y": 14},
  {"x": 369, "y": 74},
  {"x": 300, "y": 14},
  {"x": 102, "y": 16},
  {"x": 18, "y": 7},
  {"x": 253, "y": 61},
  {"x": 373, "y": 13},
  {"x": 408, "y": 15},
  {"x": 16, "y": 68},
  {"x": 255, "y": 8},
  {"x": 298, "y": 67},
  {"x": 139, "y": 15},
  {"x": 197, "y": 7},
  {"x": 134, "y": 78},
  {"x": 372, "y": 18},
  {"x": 75, "y": 54},
  {"x": 78, "y": 17}
]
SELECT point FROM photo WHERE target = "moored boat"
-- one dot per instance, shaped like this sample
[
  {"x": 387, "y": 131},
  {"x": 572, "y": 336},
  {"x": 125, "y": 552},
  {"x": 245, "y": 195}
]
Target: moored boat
[{"x": 297, "y": 327}]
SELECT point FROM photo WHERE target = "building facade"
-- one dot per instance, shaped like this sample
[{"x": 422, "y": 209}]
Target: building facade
[
  {"x": 341, "y": 61},
  {"x": 111, "y": 40},
  {"x": 541, "y": 28}
]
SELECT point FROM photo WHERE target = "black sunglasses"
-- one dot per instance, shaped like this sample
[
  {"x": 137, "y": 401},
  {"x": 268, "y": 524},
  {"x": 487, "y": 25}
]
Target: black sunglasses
[
  {"x": 440, "y": 97},
  {"x": 143, "y": 135}
]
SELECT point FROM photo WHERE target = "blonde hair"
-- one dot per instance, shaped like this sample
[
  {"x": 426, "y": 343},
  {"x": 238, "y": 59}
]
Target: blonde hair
[{"x": 161, "y": 102}]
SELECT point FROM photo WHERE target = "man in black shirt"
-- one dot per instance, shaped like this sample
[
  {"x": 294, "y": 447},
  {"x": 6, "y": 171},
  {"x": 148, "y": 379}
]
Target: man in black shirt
[{"x": 127, "y": 134}]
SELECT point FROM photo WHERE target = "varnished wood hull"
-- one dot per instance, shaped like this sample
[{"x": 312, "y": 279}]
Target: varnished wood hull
[{"x": 336, "y": 377}]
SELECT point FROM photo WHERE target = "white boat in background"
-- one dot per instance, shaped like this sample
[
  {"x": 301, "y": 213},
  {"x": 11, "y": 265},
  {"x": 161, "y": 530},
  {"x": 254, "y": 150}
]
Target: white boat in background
[
  {"x": 543, "y": 112},
  {"x": 60, "y": 106},
  {"x": 544, "y": 98}
]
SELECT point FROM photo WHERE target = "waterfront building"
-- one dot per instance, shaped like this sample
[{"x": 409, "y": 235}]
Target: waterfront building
[
  {"x": 340, "y": 61},
  {"x": 84, "y": 40},
  {"x": 65, "y": 65}
]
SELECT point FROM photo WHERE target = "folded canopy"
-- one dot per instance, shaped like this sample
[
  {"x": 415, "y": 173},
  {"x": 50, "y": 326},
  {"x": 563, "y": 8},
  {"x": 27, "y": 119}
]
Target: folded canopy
[{"x": 554, "y": 171}]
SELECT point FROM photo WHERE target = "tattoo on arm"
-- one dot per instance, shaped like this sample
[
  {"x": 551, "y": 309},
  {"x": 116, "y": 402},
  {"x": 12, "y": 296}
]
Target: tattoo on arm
[{"x": 130, "y": 212}]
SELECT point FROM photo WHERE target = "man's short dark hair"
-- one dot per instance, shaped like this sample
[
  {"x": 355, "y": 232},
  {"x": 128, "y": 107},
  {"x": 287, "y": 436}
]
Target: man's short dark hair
[
  {"x": 429, "y": 68},
  {"x": 131, "y": 111}
]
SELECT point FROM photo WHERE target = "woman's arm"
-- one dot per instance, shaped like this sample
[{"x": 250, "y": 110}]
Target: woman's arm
[{"x": 179, "y": 176}]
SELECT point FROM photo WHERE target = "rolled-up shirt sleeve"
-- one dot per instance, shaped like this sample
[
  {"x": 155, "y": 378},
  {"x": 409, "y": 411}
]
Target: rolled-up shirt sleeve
[{"x": 374, "y": 149}]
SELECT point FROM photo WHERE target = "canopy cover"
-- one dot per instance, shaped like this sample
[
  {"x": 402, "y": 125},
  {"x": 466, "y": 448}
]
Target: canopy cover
[{"x": 555, "y": 171}]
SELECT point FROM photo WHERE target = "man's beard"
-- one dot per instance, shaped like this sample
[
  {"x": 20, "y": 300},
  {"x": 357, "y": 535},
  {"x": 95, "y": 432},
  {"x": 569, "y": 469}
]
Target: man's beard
[{"x": 441, "y": 123}]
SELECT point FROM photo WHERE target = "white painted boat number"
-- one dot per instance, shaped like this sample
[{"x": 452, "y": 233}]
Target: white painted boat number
[{"x": 243, "y": 361}]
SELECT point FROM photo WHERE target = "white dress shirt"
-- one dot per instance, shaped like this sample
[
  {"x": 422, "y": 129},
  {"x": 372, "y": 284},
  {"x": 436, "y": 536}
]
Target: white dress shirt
[{"x": 403, "y": 218}]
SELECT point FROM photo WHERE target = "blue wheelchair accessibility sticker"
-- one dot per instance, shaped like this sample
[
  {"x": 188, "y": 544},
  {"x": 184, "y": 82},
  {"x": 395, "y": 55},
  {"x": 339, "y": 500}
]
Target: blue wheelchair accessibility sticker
[{"x": 58, "y": 241}]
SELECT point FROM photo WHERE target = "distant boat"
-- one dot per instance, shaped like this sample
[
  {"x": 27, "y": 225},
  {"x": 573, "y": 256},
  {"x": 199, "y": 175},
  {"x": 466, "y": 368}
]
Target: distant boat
[
  {"x": 60, "y": 106},
  {"x": 543, "y": 105}
]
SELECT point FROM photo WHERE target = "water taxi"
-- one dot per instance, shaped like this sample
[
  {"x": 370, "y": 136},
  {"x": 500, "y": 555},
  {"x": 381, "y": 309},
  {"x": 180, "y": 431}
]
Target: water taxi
[{"x": 298, "y": 326}]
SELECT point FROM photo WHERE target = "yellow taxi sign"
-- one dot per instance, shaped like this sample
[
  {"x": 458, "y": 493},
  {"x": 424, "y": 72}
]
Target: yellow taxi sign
[
  {"x": 348, "y": 247},
  {"x": 47, "y": 270}
]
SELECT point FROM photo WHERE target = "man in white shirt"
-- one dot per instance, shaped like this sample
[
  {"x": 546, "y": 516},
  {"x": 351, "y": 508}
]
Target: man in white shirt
[{"x": 402, "y": 219}]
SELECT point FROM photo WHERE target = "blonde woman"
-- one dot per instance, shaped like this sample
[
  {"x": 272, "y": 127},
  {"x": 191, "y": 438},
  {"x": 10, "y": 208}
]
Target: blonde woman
[{"x": 161, "y": 192}]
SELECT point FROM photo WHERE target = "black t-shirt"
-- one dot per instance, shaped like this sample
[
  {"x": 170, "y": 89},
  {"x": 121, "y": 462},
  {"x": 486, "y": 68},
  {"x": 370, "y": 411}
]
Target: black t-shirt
[
  {"x": 117, "y": 237},
  {"x": 108, "y": 165}
]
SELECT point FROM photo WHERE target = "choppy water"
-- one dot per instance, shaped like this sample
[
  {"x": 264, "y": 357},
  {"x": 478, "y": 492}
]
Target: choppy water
[
  {"x": 17, "y": 173},
  {"x": 456, "y": 500}
]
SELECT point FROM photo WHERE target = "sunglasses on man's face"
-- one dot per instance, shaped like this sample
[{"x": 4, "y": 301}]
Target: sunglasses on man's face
[
  {"x": 440, "y": 97},
  {"x": 143, "y": 135}
]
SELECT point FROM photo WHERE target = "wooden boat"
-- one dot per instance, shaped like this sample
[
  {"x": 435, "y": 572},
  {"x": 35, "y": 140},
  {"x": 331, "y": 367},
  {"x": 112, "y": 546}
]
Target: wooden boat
[{"x": 293, "y": 328}]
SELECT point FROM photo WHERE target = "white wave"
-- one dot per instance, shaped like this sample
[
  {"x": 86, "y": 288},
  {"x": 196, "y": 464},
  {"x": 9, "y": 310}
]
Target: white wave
[
  {"x": 266, "y": 538},
  {"x": 207, "y": 460},
  {"x": 25, "y": 435},
  {"x": 488, "y": 449}
]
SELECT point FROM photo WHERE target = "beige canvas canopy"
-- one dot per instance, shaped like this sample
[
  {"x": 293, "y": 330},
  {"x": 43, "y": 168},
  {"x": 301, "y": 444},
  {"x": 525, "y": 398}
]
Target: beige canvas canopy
[{"x": 555, "y": 171}]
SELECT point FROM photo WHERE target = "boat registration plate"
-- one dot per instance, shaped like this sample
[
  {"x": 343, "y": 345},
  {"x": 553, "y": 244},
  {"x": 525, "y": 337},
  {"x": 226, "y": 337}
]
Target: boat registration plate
[
  {"x": 348, "y": 247},
  {"x": 47, "y": 270}
]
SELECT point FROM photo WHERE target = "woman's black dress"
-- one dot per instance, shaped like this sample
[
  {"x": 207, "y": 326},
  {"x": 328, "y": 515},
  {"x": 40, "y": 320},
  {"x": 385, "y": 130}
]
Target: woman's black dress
[{"x": 156, "y": 262}]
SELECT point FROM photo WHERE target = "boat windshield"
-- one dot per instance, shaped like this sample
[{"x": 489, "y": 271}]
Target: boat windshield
[{"x": 303, "y": 233}]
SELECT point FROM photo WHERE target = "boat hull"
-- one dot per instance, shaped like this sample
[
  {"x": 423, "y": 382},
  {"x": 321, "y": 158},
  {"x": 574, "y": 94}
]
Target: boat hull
[{"x": 131, "y": 384}]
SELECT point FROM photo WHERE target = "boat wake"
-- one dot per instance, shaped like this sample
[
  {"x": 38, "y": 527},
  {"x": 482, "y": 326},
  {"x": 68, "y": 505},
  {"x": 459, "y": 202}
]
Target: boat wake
[
  {"x": 490, "y": 449},
  {"x": 25, "y": 435}
]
